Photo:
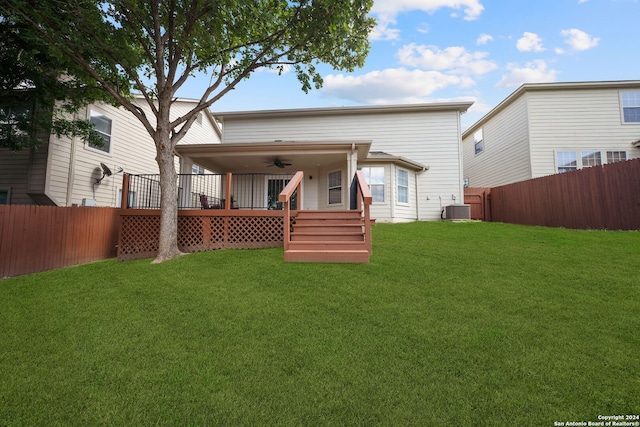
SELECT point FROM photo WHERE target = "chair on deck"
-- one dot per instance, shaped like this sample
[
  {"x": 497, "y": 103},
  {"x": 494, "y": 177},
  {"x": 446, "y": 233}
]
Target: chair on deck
[{"x": 204, "y": 203}]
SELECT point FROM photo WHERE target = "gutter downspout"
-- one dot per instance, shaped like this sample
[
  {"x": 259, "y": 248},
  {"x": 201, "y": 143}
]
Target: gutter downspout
[{"x": 72, "y": 167}]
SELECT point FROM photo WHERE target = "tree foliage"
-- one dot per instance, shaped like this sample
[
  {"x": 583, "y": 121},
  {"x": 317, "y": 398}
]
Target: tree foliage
[
  {"x": 158, "y": 45},
  {"x": 40, "y": 90}
]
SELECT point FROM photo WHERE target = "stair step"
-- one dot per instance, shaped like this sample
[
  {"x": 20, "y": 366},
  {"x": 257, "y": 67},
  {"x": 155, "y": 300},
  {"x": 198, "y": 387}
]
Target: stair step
[
  {"x": 324, "y": 229},
  {"x": 334, "y": 256},
  {"x": 327, "y": 236},
  {"x": 328, "y": 214},
  {"x": 328, "y": 245}
]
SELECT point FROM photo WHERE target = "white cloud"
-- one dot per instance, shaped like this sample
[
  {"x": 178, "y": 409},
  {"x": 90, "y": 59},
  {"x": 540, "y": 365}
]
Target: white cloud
[
  {"x": 579, "y": 40},
  {"x": 456, "y": 59},
  {"x": 386, "y": 12},
  {"x": 530, "y": 42},
  {"x": 484, "y": 39},
  {"x": 533, "y": 72},
  {"x": 391, "y": 86},
  {"x": 392, "y": 8},
  {"x": 382, "y": 31},
  {"x": 582, "y": 1}
]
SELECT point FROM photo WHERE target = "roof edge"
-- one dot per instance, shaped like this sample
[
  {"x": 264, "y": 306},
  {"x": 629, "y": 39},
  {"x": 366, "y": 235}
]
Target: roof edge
[
  {"x": 330, "y": 111},
  {"x": 539, "y": 87}
]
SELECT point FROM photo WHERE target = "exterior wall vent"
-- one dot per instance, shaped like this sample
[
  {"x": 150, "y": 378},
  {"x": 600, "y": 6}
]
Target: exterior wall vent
[{"x": 457, "y": 212}]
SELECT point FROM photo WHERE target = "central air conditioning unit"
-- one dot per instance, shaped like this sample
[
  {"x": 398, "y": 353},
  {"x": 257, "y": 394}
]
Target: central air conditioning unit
[{"x": 457, "y": 212}]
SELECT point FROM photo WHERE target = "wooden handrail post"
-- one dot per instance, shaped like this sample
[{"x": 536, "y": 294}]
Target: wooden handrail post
[
  {"x": 364, "y": 198},
  {"x": 285, "y": 198},
  {"x": 124, "y": 201}
]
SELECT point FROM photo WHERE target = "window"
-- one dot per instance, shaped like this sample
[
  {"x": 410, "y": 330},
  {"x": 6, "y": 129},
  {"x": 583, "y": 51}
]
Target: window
[
  {"x": 566, "y": 161},
  {"x": 591, "y": 158},
  {"x": 102, "y": 124},
  {"x": 403, "y": 186},
  {"x": 570, "y": 161},
  {"x": 197, "y": 170},
  {"x": 131, "y": 199},
  {"x": 478, "y": 141},
  {"x": 616, "y": 156},
  {"x": 631, "y": 107},
  {"x": 5, "y": 196},
  {"x": 375, "y": 180},
  {"x": 199, "y": 118},
  {"x": 335, "y": 187}
]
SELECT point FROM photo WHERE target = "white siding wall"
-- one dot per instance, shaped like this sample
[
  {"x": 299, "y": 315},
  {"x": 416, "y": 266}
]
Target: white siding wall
[
  {"x": 131, "y": 149},
  {"x": 577, "y": 120},
  {"x": 506, "y": 157},
  {"x": 430, "y": 138}
]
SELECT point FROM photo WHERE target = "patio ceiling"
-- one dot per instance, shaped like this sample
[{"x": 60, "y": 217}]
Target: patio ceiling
[{"x": 256, "y": 157}]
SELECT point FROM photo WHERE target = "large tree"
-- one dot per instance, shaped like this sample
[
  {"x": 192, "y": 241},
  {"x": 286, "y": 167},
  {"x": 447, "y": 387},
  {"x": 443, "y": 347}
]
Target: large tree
[
  {"x": 157, "y": 45},
  {"x": 40, "y": 90}
]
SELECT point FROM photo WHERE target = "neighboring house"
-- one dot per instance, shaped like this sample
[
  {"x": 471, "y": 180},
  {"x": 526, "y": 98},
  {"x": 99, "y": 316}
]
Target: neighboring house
[
  {"x": 410, "y": 155},
  {"x": 65, "y": 172},
  {"x": 547, "y": 128}
]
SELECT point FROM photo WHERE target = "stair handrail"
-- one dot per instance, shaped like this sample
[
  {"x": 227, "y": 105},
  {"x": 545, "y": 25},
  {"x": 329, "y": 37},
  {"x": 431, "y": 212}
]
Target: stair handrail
[
  {"x": 364, "y": 200},
  {"x": 285, "y": 198}
]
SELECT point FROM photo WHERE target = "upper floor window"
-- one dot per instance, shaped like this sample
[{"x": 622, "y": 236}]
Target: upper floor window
[
  {"x": 375, "y": 180},
  {"x": 631, "y": 107},
  {"x": 335, "y": 187},
  {"x": 478, "y": 141},
  {"x": 197, "y": 170},
  {"x": 102, "y": 124},
  {"x": 403, "y": 186}
]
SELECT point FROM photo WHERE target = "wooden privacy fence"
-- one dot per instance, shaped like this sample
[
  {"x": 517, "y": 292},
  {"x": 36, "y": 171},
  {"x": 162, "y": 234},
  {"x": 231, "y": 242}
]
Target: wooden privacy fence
[
  {"x": 599, "y": 197},
  {"x": 39, "y": 238}
]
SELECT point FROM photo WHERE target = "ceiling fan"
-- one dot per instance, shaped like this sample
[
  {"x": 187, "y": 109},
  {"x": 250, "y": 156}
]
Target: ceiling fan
[{"x": 279, "y": 163}]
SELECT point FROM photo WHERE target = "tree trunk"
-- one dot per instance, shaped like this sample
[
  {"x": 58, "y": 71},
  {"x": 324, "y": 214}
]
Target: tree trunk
[{"x": 168, "y": 239}]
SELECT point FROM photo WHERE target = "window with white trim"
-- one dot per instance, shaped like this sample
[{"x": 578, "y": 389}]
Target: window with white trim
[
  {"x": 478, "y": 141},
  {"x": 403, "y": 186},
  {"x": 131, "y": 199},
  {"x": 616, "y": 156},
  {"x": 102, "y": 125},
  {"x": 335, "y": 187},
  {"x": 591, "y": 158},
  {"x": 630, "y": 106},
  {"x": 574, "y": 160},
  {"x": 197, "y": 170},
  {"x": 375, "y": 179},
  {"x": 566, "y": 161}
]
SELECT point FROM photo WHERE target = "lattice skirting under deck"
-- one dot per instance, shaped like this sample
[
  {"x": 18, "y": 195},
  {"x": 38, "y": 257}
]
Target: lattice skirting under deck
[{"x": 139, "y": 234}]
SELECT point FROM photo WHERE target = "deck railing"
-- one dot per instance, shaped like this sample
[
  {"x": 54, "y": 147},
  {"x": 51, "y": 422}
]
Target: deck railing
[
  {"x": 286, "y": 197},
  {"x": 255, "y": 191},
  {"x": 364, "y": 200}
]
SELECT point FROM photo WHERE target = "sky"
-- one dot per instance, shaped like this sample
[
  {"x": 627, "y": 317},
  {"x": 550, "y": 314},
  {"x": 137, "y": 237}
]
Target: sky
[{"x": 425, "y": 51}]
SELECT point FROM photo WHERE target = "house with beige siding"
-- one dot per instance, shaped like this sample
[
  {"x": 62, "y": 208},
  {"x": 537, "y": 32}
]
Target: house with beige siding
[
  {"x": 547, "y": 128},
  {"x": 411, "y": 156},
  {"x": 68, "y": 172}
]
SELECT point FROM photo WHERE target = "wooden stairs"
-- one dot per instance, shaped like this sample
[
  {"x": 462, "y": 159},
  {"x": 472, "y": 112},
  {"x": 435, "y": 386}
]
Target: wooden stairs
[{"x": 328, "y": 236}]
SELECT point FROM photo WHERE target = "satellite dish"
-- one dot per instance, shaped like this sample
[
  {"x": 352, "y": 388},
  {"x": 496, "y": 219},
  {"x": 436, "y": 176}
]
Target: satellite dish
[
  {"x": 279, "y": 163},
  {"x": 105, "y": 172},
  {"x": 105, "y": 169}
]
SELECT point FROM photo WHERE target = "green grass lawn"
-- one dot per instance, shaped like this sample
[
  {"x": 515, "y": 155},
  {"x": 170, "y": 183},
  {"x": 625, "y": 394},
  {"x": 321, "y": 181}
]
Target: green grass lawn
[{"x": 450, "y": 324}]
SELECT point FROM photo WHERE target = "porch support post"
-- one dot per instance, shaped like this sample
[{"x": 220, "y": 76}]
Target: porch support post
[{"x": 124, "y": 202}]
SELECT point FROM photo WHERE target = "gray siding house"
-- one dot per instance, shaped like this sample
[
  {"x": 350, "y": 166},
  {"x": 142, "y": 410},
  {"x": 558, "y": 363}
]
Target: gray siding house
[
  {"x": 547, "y": 128},
  {"x": 411, "y": 155},
  {"x": 64, "y": 172}
]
